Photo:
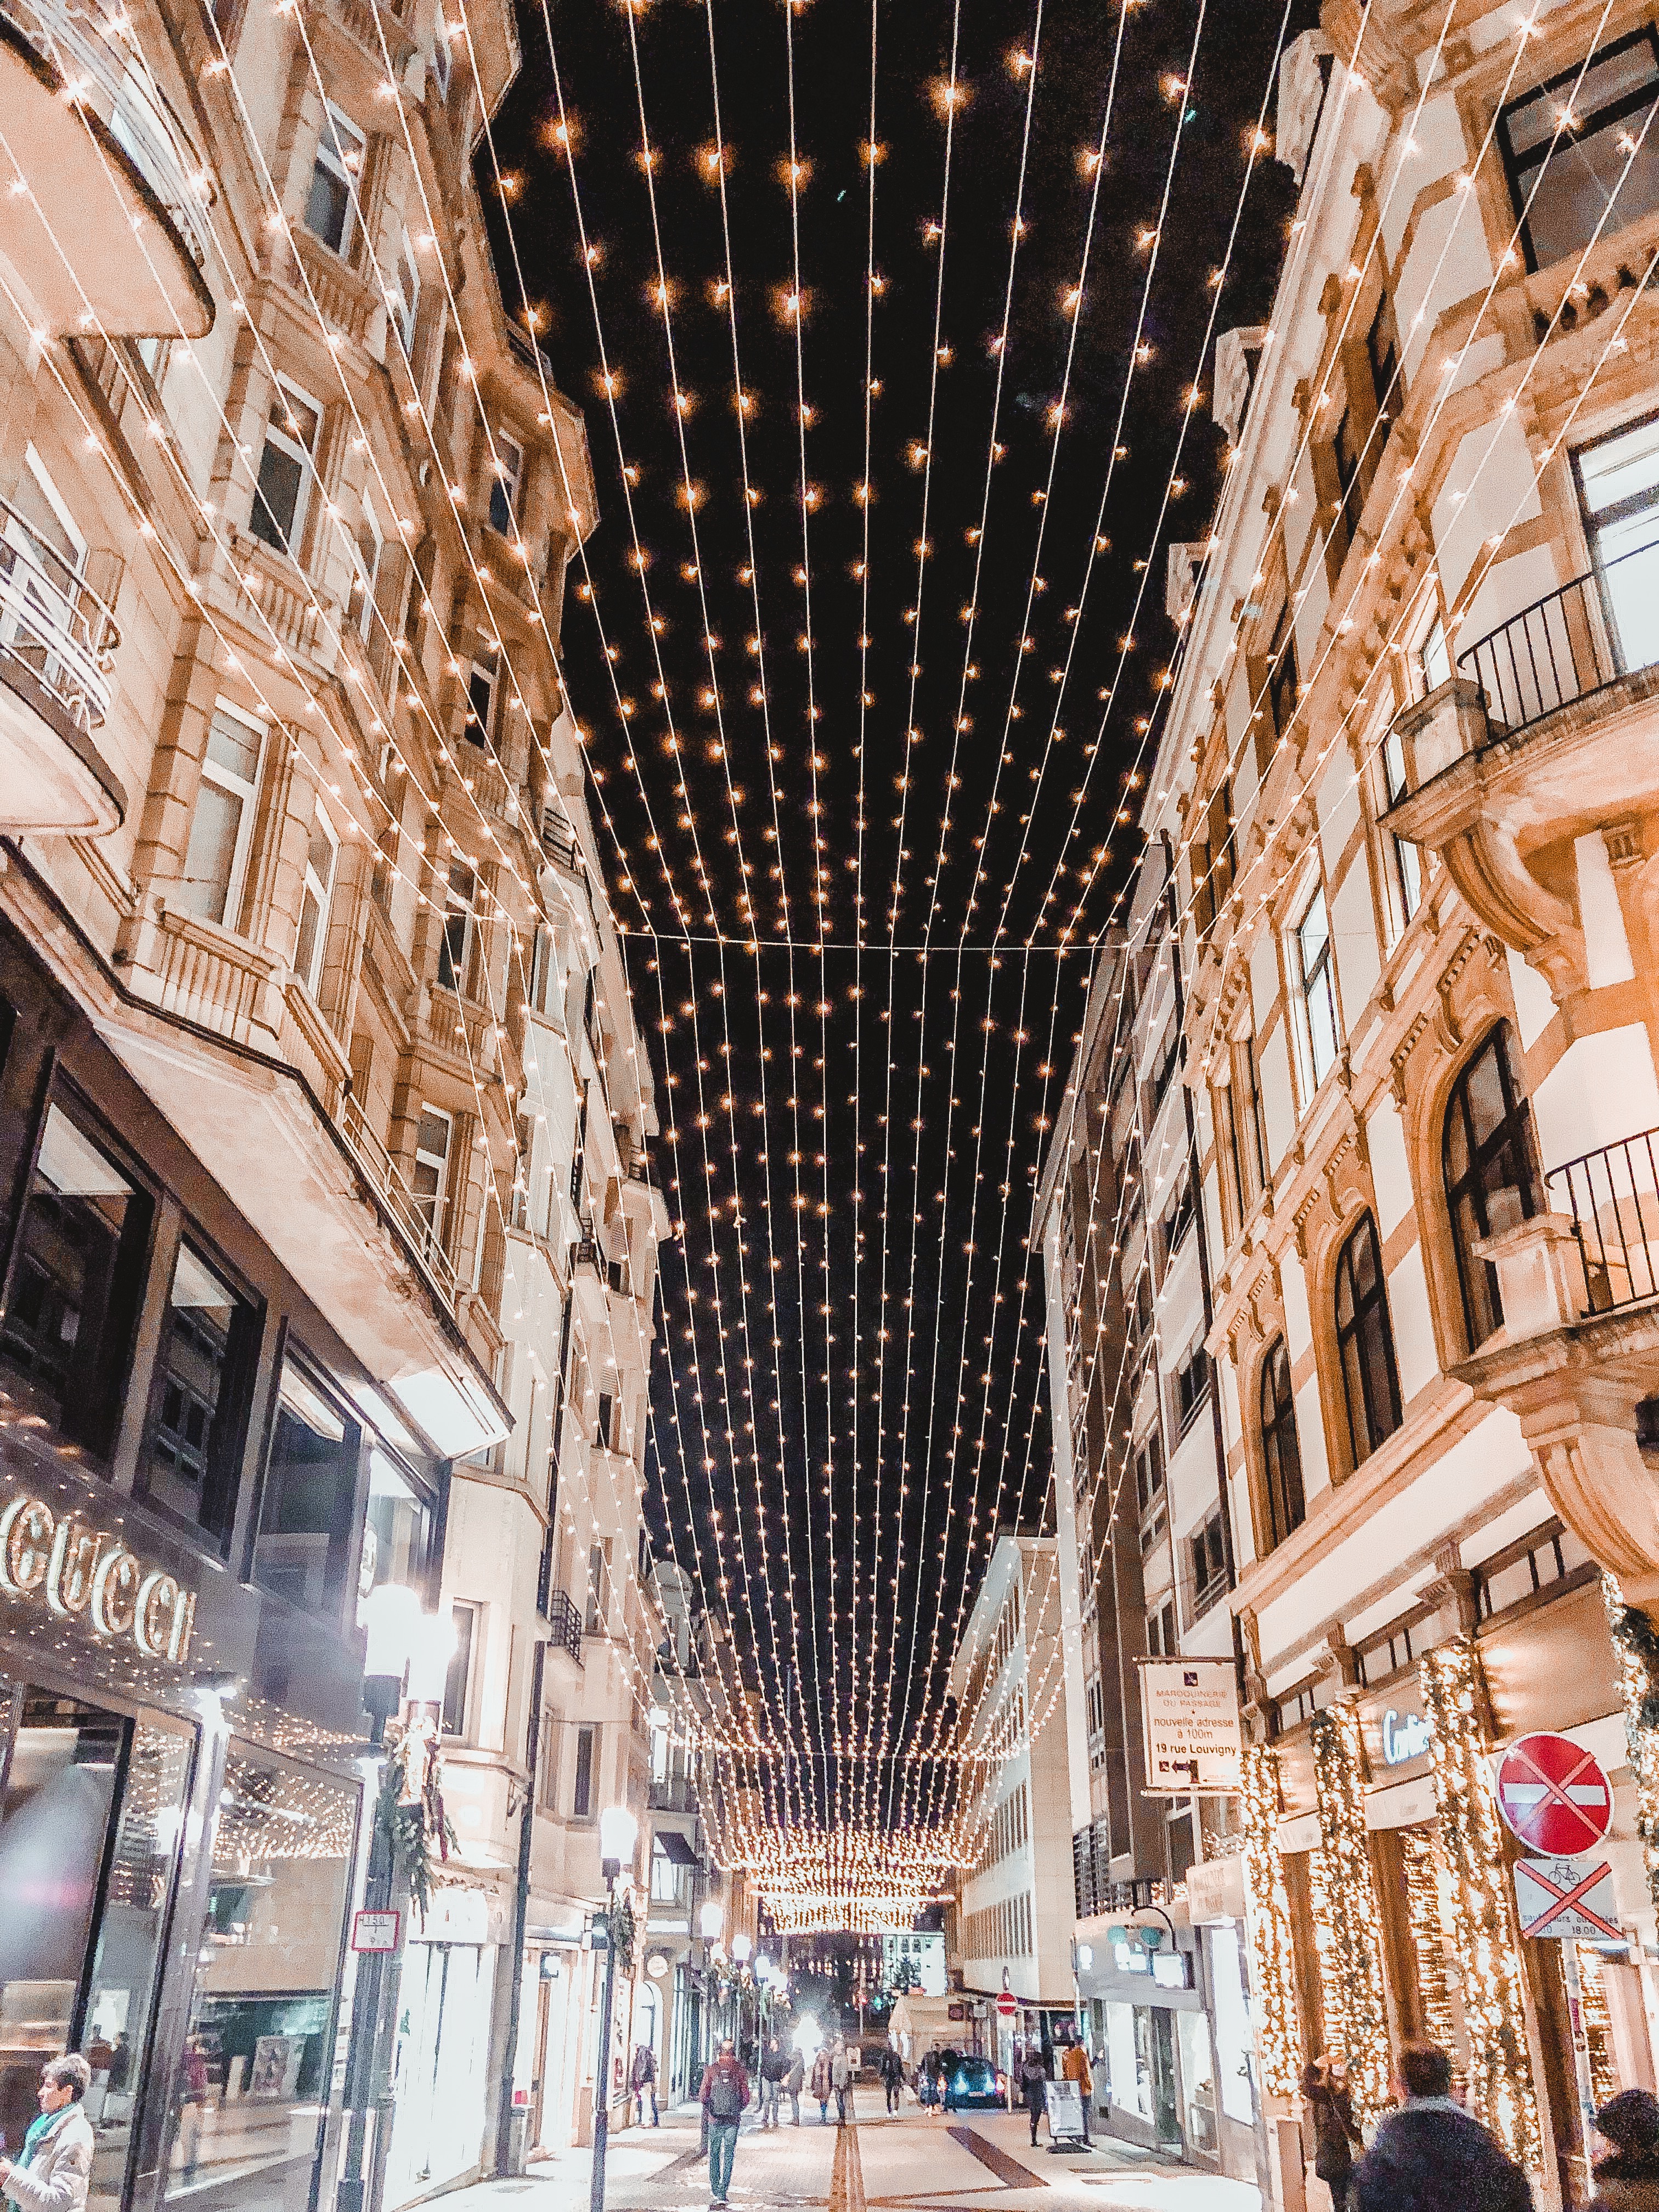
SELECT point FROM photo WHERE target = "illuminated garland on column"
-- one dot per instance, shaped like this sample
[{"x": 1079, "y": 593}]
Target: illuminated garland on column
[
  {"x": 1483, "y": 1933},
  {"x": 1267, "y": 1926},
  {"x": 1428, "y": 1936},
  {"x": 1637, "y": 1643},
  {"x": 1347, "y": 1926}
]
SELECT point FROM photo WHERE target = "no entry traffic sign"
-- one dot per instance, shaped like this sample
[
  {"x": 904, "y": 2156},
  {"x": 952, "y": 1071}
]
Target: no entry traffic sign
[
  {"x": 1570, "y": 1900},
  {"x": 1007, "y": 2005},
  {"x": 1554, "y": 1795}
]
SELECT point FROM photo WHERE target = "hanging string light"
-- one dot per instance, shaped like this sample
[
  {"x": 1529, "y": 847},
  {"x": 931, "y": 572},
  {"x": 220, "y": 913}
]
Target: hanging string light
[
  {"x": 1267, "y": 1926},
  {"x": 1348, "y": 1923}
]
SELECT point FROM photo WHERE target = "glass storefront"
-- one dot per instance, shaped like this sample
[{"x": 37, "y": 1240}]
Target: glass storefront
[
  {"x": 443, "y": 2045},
  {"x": 251, "y": 2092}
]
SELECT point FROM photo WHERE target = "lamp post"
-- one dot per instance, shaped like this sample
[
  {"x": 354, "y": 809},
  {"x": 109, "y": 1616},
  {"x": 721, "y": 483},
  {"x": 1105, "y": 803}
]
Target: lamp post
[
  {"x": 712, "y": 1924},
  {"x": 405, "y": 1662},
  {"x": 618, "y": 1830}
]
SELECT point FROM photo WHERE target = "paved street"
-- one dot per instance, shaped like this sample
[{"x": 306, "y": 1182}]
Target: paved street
[{"x": 974, "y": 2162}]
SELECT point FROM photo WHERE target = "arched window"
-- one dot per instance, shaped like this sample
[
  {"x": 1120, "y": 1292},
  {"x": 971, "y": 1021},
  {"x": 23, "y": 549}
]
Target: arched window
[
  {"x": 1281, "y": 1455},
  {"x": 1491, "y": 1171},
  {"x": 1364, "y": 1342}
]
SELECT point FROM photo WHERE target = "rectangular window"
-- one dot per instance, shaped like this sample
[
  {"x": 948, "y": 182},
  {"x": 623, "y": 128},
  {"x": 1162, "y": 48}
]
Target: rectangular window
[
  {"x": 335, "y": 175},
  {"x": 430, "y": 1184},
  {"x": 204, "y": 1379},
  {"x": 1346, "y": 453},
  {"x": 1382, "y": 352},
  {"x": 1216, "y": 857},
  {"x": 315, "y": 901},
  {"x": 397, "y": 1527},
  {"x": 1161, "y": 1630},
  {"x": 1407, "y": 861},
  {"x": 368, "y": 547},
  {"x": 1168, "y": 1059},
  {"x": 1192, "y": 1384},
  {"x": 1149, "y": 1473},
  {"x": 221, "y": 825},
  {"x": 606, "y": 1432},
  {"x": 1603, "y": 161},
  {"x": 455, "y": 946},
  {"x": 582, "y": 1796},
  {"x": 549, "y": 1749},
  {"x": 403, "y": 298},
  {"x": 311, "y": 1486},
  {"x": 457, "y": 1680},
  {"x": 1316, "y": 979},
  {"x": 1209, "y": 1558},
  {"x": 507, "y": 475},
  {"x": 1433, "y": 660},
  {"x": 481, "y": 686},
  {"x": 1179, "y": 1219},
  {"x": 66, "y": 1338},
  {"x": 1282, "y": 684},
  {"x": 1619, "y": 487},
  {"x": 287, "y": 464}
]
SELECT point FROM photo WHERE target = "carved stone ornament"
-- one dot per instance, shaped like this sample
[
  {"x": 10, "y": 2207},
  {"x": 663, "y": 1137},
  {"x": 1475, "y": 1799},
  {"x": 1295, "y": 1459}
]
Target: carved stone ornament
[
  {"x": 1300, "y": 95},
  {"x": 1233, "y": 350},
  {"x": 1180, "y": 579}
]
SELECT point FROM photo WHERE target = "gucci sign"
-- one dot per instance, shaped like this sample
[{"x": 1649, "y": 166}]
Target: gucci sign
[{"x": 86, "y": 1573}]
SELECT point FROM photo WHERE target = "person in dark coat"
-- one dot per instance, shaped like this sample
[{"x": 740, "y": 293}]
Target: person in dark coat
[
  {"x": 1336, "y": 2132},
  {"x": 1629, "y": 2180},
  {"x": 1429, "y": 2155},
  {"x": 892, "y": 2075},
  {"x": 1034, "y": 2089}
]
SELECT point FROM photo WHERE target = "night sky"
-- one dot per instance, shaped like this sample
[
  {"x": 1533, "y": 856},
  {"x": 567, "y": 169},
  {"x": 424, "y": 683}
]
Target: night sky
[{"x": 849, "y": 645}]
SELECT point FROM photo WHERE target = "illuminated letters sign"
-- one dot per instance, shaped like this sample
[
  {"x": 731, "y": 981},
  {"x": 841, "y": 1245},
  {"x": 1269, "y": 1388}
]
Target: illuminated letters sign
[
  {"x": 84, "y": 1573},
  {"x": 1405, "y": 1735}
]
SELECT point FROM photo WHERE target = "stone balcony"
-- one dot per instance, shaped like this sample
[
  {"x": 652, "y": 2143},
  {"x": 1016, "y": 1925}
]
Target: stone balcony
[{"x": 57, "y": 645}]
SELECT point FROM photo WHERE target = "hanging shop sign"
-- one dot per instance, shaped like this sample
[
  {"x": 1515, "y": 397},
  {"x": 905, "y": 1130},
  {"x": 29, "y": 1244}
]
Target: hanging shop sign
[
  {"x": 1190, "y": 1711},
  {"x": 1567, "y": 1901},
  {"x": 1554, "y": 1795},
  {"x": 78, "y": 1571}
]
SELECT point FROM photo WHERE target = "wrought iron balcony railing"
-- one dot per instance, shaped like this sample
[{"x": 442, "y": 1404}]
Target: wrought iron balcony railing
[
  {"x": 1613, "y": 1195},
  {"x": 420, "y": 1224},
  {"x": 564, "y": 1624},
  {"x": 93, "y": 49},
  {"x": 53, "y": 625},
  {"x": 1568, "y": 645}
]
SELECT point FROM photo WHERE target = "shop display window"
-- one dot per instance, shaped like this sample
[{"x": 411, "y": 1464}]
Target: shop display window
[
  {"x": 250, "y": 2093},
  {"x": 443, "y": 2043},
  {"x": 397, "y": 1527},
  {"x": 310, "y": 1483},
  {"x": 204, "y": 1376},
  {"x": 1203, "y": 2131},
  {"x": 78, "y": 1280}
]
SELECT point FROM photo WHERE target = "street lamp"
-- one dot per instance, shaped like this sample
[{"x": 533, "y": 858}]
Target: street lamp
[{"x": 619, "y": 1831}]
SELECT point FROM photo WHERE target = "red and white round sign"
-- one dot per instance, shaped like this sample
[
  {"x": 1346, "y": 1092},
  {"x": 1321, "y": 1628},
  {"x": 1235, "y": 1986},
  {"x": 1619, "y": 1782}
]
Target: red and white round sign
[
  {"x": 1554, "y": 1795},
  {"x": 1007, "y": 2005}
]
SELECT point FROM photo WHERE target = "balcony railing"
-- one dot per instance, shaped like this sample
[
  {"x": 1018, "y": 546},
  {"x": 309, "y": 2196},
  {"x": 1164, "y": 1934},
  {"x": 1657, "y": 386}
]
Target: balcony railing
[
  {"x": 1613, "y": 1195},
  {"x": 93, "y": 49},
  {"x": 564, "y": 1624},
  {"x": 412, "y": 1217},
  {"x": 53, "y": 625},
  {"x": 1564, "y": 646}
]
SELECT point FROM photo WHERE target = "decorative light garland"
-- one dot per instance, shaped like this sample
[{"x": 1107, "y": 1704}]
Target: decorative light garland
[
  {"x": 1483, "y": 1929},
  {"x": 1267, "y": 1927},
  {"x": 1422, "y": 1867},
  {"x": 1347, "y": 1924},
  {"x": 1636, "y": 1642}
]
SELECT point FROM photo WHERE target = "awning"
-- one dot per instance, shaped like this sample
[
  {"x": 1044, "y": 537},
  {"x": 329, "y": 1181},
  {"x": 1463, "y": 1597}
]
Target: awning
[{"x": 677, "y": 1848}]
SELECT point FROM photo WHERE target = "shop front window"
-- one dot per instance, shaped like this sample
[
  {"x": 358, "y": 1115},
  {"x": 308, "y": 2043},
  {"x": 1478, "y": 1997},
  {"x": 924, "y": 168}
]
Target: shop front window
[
  {"x": 1198, "y": 2083},
  {"x": 205, "y": 1375},
  {"x": 311, "y": 1481},
  {"x": 79, "y": 1277},
  {"x": 251, "y": 2089},
  {"x": 395, "y": 1530},
  {"x": 443, "y": 2045}
]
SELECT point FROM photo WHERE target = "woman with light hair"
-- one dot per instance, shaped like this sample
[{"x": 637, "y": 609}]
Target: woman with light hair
[{"x": 55, "y": 2166}]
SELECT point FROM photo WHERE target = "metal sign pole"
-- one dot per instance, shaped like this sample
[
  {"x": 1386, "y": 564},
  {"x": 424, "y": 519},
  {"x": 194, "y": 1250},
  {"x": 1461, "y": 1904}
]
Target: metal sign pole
[{"x": 1581, "y": 2065}]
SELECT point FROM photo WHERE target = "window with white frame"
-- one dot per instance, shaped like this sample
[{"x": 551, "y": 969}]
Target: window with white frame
[
  {"x": 547, "y": 974},
  {"x": 1406, "y": 887},
  {"x": 369, "y": 545},
  {"x": 322, "y": 853},
  {"x": 288, "y": 465},
  {"x": 403, "y": 297},
  {"x": 430, "y": 1184},
  {"x": 222, "y": 823},
  {"x": 1316, "y": 985},
  {"x": 504, "y": 487},
  {"x": 335, "y": 175},
  {"x": 455, "y": 946},
  {"x": 481, "y": 683}
]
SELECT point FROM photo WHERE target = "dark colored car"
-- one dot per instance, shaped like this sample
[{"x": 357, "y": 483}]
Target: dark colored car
[{"x": 972, "y": 2085}]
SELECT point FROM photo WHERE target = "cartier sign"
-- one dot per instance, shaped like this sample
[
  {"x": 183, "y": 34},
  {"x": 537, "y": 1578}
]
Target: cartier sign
[{"x": 82, "y": 1572}]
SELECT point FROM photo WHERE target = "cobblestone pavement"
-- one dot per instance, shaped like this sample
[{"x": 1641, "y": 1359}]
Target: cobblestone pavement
[{"x": 974, "y": 2162}]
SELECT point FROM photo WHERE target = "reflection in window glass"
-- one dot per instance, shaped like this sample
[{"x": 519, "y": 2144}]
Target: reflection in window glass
[
  {"x": 305, "y": 1521},
  {"x": 128, "y": 1956},
  {"x": 395, "y": 1530},
  {"x": 1618, "y": 476},
  {"x": 69, "y": 1324},
  {"x": 205, "y": 1368},
  {"x": 54, "y": 1820},
  {"x": 251, "y": 2091}
]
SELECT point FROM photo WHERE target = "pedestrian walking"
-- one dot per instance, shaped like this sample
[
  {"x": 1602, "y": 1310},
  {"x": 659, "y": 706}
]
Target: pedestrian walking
[
  {"x": 822, "y": 2083},
  {"x": 928, "y": 2082},
  {"x": 643, "y": 2083},
  {"x": 725, "y": 2093},
  {"x": 1429, "y": 2155},
  {"x": 840, "y": 2078},
  {"x": 775, "y": 2065},
  {"x": 1629, "y": 2180},
  {"x": 55, "y": 2166},
  {"x": 1074, "y": 2067},
  {"x": 892, "y": 2075},
  {"x": 792, "y": 2083},
  {"x": 1034, "y": 2088},
  {"x": 1337, "y": 2139}
]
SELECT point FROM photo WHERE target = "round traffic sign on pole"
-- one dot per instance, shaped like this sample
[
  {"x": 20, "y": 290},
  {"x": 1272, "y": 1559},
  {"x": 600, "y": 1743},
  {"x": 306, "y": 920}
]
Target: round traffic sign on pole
[
  {"x": 1007, "y": 2004},
  {"x": 1554, "y": 1795}
]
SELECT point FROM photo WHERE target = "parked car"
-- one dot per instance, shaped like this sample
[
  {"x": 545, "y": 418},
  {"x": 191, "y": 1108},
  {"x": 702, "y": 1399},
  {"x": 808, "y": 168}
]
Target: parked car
[{"x": 974, "y": 2085}]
